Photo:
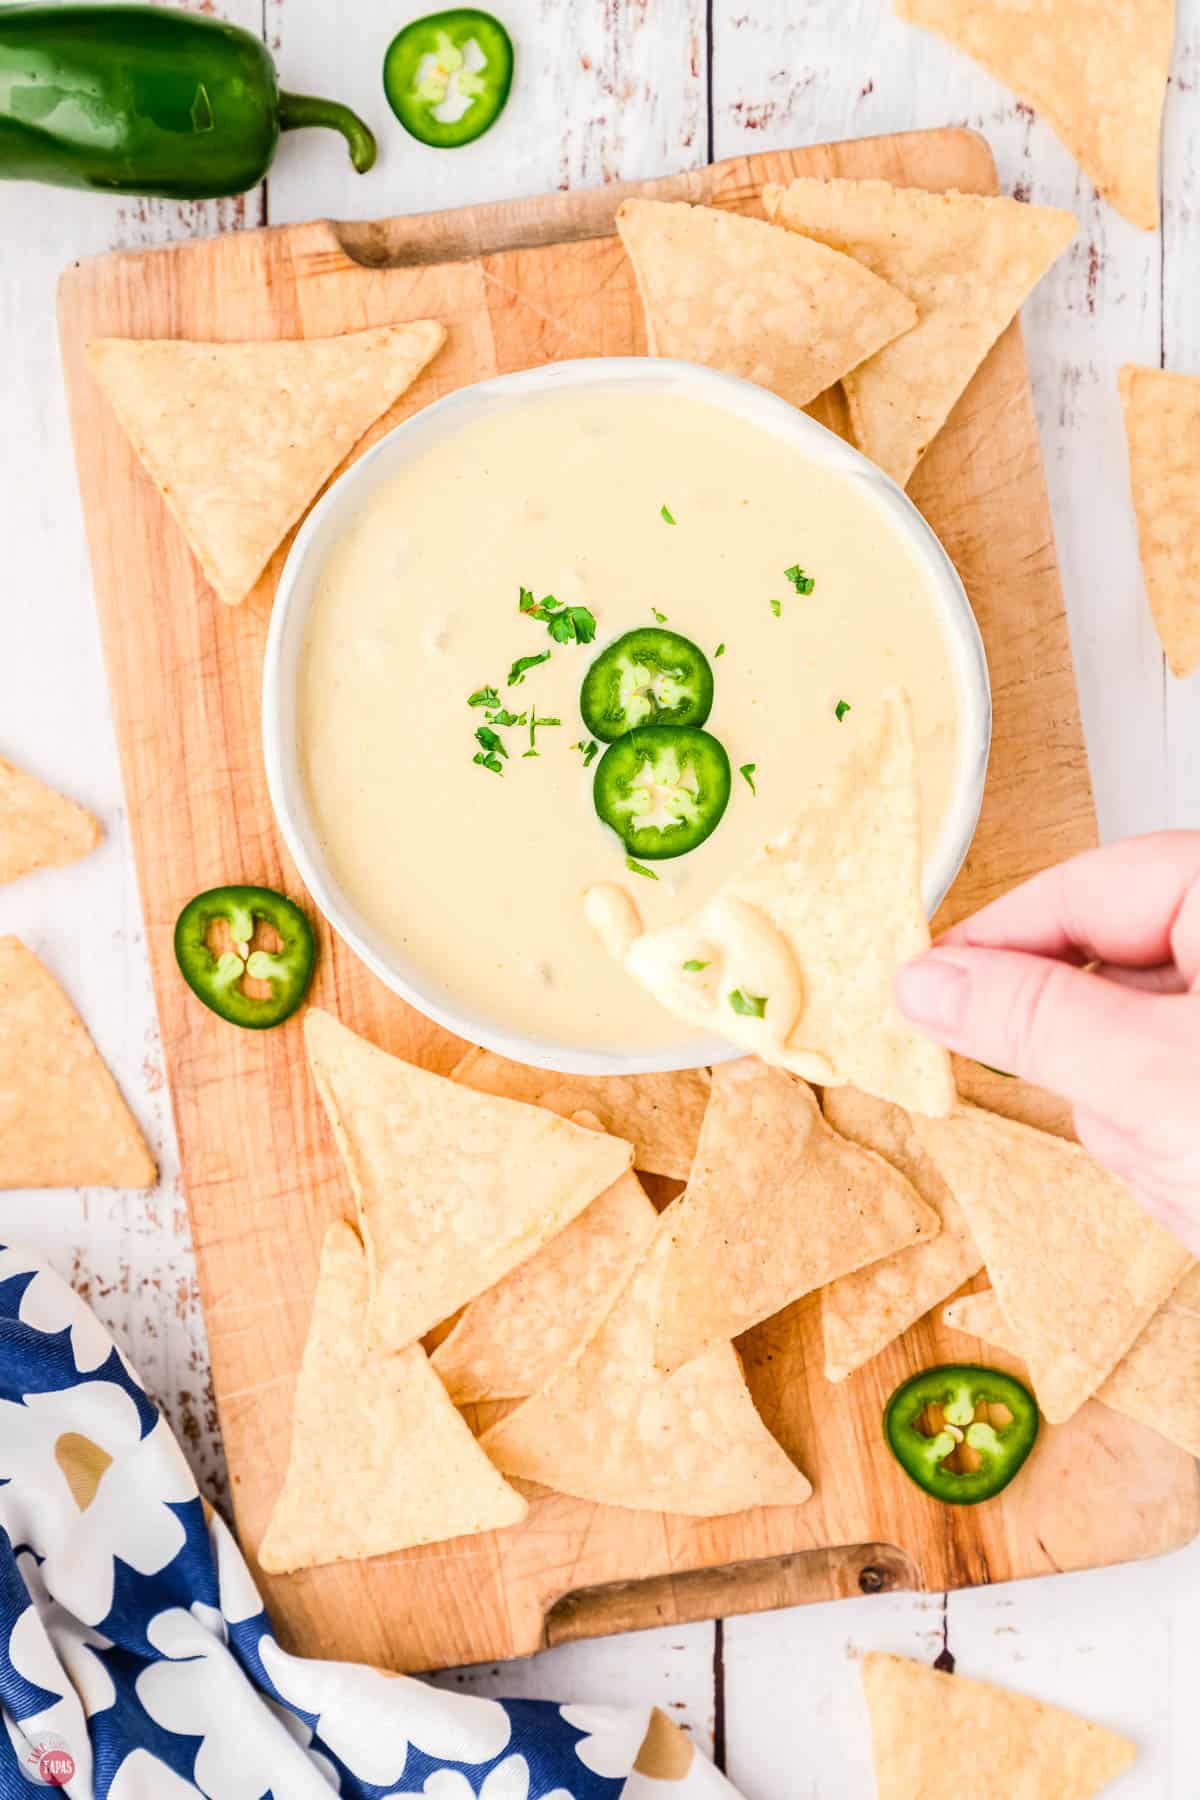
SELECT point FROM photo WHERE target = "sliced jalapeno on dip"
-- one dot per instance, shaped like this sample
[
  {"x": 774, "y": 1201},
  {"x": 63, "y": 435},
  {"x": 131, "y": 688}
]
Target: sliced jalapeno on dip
[
  {"x": 663, "y": 789},
  {"x": 447, "y": 76},
  {"x": 214, "y": 947},
  {"x": 647, "y": 677},
  {"x": 961, "y": 1432}
]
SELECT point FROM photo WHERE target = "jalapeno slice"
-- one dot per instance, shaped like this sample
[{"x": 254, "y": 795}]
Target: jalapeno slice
[
  {"x": 647, "y": 677},
  {"x": 961, "y": 1432},
  {"x": 214, "y": 949},
  {"x": 447, "y": 76},
  {"x": 663, "y": 789}
]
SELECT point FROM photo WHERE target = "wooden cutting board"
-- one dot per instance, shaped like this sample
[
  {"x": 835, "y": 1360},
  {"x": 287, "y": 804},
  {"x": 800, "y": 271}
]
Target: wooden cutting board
[{"x": 518, "y": 285}]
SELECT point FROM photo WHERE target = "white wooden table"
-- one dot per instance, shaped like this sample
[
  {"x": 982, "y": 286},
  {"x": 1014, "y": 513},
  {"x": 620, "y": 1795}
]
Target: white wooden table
[{"x": 608, "y": 89}]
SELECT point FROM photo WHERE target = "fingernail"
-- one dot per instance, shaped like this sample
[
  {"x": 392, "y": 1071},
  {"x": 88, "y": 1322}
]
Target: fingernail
[{"x": 932, "y": 992}]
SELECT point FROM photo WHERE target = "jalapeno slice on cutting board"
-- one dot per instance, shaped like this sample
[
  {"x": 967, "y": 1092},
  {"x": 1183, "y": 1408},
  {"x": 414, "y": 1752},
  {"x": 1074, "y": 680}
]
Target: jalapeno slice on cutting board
[
  {"x": 961, "y": 1432},
  {"x": 647, "y": 677},
  {"x": 447, "y": 76},
  {"x": 249, "y": 983},
  {"x": 663, "y": 789}
]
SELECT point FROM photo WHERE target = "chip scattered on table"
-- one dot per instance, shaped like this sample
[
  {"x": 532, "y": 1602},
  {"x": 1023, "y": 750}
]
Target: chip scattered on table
[
  {"x": 943, "y": 1737},
  {"x": 1096, "y": 70},
  {"x": 39, "y": 828},
  {"x": 659, "y": 1114},
  {"x": 778, "y": 1205},
  {"x": 63, "y": 1122},
  {"x": 380, "y": 1458},
  {"x": 1162, "y": 431},
  {"x": 738, "y": 295},
  {"x": 239, "y": 438},
  {"x": 967, "y": 261},
  {"x": 607, "y": 1428},
  {"x": 453, "y": 1188},
  {"x": 1078, "y": 1265},
  {"x": 862, "y": 1313}
]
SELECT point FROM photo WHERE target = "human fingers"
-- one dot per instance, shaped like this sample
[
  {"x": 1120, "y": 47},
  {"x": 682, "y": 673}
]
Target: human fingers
[
  {"x": 1162, "y": 980},
  {"x": 1171, "y": 1194}
]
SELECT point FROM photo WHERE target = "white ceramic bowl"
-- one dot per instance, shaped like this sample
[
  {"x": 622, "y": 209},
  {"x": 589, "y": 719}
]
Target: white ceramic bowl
[{"x": 342, "y": 503}]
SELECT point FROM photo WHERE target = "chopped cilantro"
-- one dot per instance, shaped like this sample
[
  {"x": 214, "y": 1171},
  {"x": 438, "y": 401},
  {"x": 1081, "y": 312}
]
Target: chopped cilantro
[
  {"x": 502, "y": 716},
  {"x": 777, "y": 607},
  {"x": 637, "y": 868},
  {"x": 660, "y": 617},
  {"x": 566, "y": 624},
  {"x": 803, "y": 584},
  {"x": 490, "y": 741},
  {"x": 840, "y": 710},
  {"x": 534, "y": 723},
  {"x": 747, "y": 774},
  {"x": 750, "y": 1006},
  {"x": 587, "y": 751},
  {"x": 516, "y": 674},
  {"x": 489, "y": 762},
  {"x": 667, "y": 514},
  {"x": 484, "y": 696},
  {"x": 719, "y": 651},
  {"x": 693, "y": 967}
]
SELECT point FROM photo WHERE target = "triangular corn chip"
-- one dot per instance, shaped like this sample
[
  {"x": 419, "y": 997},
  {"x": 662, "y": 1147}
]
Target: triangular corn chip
[
  {"x": 814, "y": 929},
  {"x": 607, "y": 1428},
  {"x": 1095, "y": 69},
  {"x": 453, "y": 1188},
  {"x": 39, "y": 829},
  {"x": 738, "y": 295},
  {"x": 778, "y": 1205},
  {"x": 380, "y": 1459},
  {"x": 63, "y": 1122},
  {"x": 1157, "y": 1382},
  {"x": 941, "y": 1737},
  {"x": 1162, "y": 430},
  {"x": 967, "y": 261},
  {"x": 863, "y": 1313},
  {"x": 238, "y": 438},
  {"x": 510, "y": 1340},
  {"x": 659, "y": 1114},
  {"x": 1078, "y": 1265}
]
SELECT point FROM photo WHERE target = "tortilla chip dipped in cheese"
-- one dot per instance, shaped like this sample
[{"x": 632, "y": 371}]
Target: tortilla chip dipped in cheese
[
  {"x": 967, "y": 261},
  {"x": 453, "y": 1188},
  {"x": 39, "y": 829},
  {"x": 1077, "y": 1263},
  {"x": 63, "y": 1122},
  {"x": 736, "y": 294},
  {"x": 606, "y": 1427},
  {"x": 659, "y": 1114},
  {"x": 380, "y": 1458},
  {"x": 942, "y": 1737},
  {"x": 1157, "y": 1382},
  {"x": 239, "y": 438},
  {"x": 1096, "y": 70},
  {"x": 779, "y": 1204},
  {"x": 1162, "y": 430},
  {"x": 862, "y": 1313},
  {"x": 510, "y": 1340},
  {"x": 795, "y": 957}
]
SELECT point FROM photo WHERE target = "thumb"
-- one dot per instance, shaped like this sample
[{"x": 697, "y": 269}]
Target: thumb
[{"x": 1101, "y": 1045}]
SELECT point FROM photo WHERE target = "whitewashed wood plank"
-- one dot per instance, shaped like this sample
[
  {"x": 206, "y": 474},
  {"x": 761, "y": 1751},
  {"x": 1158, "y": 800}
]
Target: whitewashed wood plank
[
  {"x": 601, "y": 93},
  {"x": 846, "y": 68}
]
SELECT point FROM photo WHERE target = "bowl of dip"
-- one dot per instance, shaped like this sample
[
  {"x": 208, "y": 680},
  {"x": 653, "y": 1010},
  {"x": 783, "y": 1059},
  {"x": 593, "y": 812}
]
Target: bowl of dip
[{"x": 633, "y": 492}]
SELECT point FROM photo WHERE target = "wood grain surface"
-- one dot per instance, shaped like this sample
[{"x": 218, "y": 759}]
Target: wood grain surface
[{"x": 527, "y": 283}]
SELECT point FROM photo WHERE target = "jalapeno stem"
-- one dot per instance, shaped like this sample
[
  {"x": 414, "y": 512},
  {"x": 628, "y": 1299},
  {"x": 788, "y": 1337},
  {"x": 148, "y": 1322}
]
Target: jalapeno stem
[{"x": 296, "y": 111}]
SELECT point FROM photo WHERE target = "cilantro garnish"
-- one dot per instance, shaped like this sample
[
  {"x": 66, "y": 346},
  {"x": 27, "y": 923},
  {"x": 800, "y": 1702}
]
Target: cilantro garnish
[
  {"x": 719, "y": 651},
  {"x": 587, "y": 751},
  {"x": 491, "y": 749},
  {"x": 566, "y": 624},
  {"x": 502, "y": 716},
  {"x": 516, "y": 674},
  {"x": 667, "y": 514},
  {"x": 534, "y": 723},
  {"x": 660, "y": 617},
  {"x": 693, "y": 967},
  {"x": 750, "y": 1006},
  {"x": 803, "y": 584},
  {"x": 637, "y": 868},
  {"x": 484, "y": 696},
  {"x": 840, "y": 710},
  {"x": 747, "y": 774},
  {"x": 777, "y": 607}
]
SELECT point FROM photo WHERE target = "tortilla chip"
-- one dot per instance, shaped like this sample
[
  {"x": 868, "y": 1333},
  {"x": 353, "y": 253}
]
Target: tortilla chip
[
  {"x": 453, "y": 1188},
  {"x": 1097, "y": 72},
  {"x": 607, "y": 1428},
  {"x": 1078, "y": 1265},
  {"x": 39, "y": 829},
  {"x": 863, "y": 1313},
  {"x": 735, "y": 294},
  {"x": 660, "y": 1115},
  {"x": 967, "y": 261},
  {"x": 836, "y": 900},
  {"x": 380, "y": 1459},
  {"x": 63, "y": 1122},
  {"x": 941, "y": 1737},
  {"x": 1157, "y": 1382},
  {"x": 778, "y": 1205},
  {"x": 1162, "y": 430},
  {"x": 511, "y": 1339},
  {"x": 238, "y": 438}
]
